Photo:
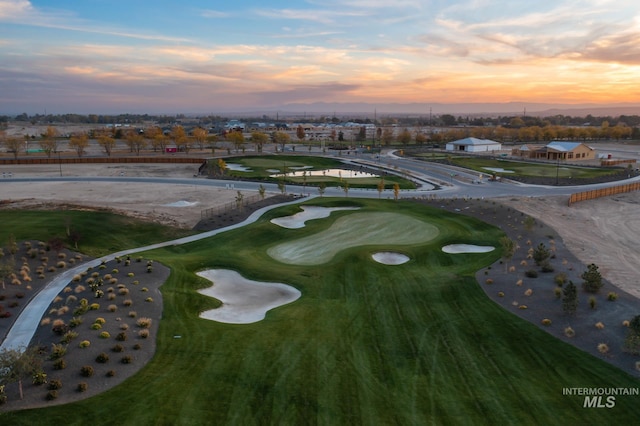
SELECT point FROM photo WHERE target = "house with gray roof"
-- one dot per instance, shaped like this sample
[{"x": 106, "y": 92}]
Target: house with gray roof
[
  {"x": 556, "y": 150},
  {"x": 474, "y": 145}
]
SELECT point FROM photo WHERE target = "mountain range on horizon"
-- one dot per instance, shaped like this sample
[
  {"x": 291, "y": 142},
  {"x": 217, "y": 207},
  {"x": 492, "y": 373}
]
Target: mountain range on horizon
[
  {"x": 476, "y": 109},
  {"x": 370, "y": 110}
]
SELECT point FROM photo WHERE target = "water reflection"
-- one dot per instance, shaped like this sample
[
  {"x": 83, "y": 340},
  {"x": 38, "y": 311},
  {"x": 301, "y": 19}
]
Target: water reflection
[{"x": 339, "y": 173}]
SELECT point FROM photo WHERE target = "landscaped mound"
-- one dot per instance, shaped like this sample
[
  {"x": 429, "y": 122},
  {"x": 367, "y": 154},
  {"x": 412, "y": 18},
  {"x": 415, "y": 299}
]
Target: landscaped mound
[
  {"x": 243, "y": 301},
  {"x": 354, "y": 230}
]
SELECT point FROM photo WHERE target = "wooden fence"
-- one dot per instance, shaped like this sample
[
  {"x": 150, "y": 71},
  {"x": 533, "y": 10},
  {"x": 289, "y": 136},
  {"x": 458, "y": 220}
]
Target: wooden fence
[
  {"x": 102, "y": 160},
  {"x": 604, "y": 192}
]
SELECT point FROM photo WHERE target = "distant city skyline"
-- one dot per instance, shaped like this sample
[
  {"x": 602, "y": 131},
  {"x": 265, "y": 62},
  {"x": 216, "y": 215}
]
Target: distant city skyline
[{"x": 110, "y": 56}]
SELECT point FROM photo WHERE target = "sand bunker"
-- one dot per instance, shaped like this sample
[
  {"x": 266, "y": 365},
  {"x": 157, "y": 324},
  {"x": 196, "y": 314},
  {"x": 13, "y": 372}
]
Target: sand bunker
[
  {"x": 309, "y": 212},
  {"x": 243, "y": 301},
  {"x": 354, "y": 230},
  {"x": 498, "y": 170},
  {"x": 466, "y": 248},
  {"x": 238, "y": 167},
  {"x": 390, "y": 258},
  {"x": 181, "y": 203}
]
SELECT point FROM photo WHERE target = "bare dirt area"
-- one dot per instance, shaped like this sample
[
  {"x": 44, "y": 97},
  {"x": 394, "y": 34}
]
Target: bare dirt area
[
  {"x": 604, "y": 231},
  {"x": 176, "y": 204}
]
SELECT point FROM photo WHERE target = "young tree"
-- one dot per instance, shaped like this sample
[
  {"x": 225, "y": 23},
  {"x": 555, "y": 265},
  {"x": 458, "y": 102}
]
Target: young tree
[
  {"x": 345, "y": 188},
  {"x": 237, "y": 139},
  {"x": 259, "y": 139},
  {"x": 380, "y": 186},
  {"x": 49, "y": 142},
  {"x": 404, "y": 137},
  {"x": 79, "y": 143},
  {"x": 16, "y": 365},
  {"x": 13, "y": 145},
  {"x": 262, "y": 190},
  {"x": 632, "y": 340},
  {"x": 529, "y": 223},
  {"x": 200, "y": 136},
  {"x": 107, "y": 143},
  {"x": 212, "y": 139},
  {"x": 592, "y": 279},
  {"x": 6, "y": 270},
  {"x": 239, "y": 200},
  {"x": 541, "y": 254},
  {"x": 570, "y": 298},
  {"x": 322, "y": 186},
  {"x": 333, "y": 135},
  {"x": 135, "y": 141},
  {"x": 179, "y": 137},
  {"x": 281, "y": 138},
  {"x": 156, "y": 138},
  {"x": 300, "y": 133},
  {"x": 396, "y": 191},
  {"x": 387, "y": 136},
  {"x": 222, "y": 166},
  {"x": 509, "y": 247}
]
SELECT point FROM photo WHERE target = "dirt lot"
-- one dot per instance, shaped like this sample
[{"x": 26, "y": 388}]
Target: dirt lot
[
  {"x": 603, "y": 231},
  {"x": 178, "y": 205}
]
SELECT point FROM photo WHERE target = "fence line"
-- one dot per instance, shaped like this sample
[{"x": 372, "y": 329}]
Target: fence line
[
  {"x": 100, "y": 160},
  {"x": 603, "y": 192},
  {"x": 233, "y": 205}
]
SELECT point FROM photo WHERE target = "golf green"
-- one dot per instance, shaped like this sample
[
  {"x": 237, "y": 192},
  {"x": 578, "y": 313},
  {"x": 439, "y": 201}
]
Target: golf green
[{"x": 357, "y": 229}]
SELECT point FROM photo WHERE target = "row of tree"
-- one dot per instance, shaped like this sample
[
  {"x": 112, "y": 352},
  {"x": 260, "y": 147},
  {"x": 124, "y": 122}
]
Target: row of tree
[{"x": 440, "y": 120}]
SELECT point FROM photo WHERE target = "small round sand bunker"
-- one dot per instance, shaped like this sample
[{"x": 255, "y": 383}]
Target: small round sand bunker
[
  {"x": 390, "y": 258},
  {"x": 466, "y": 248}
]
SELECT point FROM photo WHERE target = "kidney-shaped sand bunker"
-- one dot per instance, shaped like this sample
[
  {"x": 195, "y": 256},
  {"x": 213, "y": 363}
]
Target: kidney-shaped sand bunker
[{"x": 243, "y": 301}]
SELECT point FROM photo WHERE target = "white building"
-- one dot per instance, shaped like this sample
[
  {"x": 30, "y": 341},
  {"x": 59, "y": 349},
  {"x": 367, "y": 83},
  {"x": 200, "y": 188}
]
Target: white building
[{"x": 474, "y": 145}]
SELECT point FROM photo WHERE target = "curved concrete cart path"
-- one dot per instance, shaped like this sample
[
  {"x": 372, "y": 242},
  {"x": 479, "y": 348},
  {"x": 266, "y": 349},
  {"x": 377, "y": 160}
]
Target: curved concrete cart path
[{"x": 25, "y": 326}]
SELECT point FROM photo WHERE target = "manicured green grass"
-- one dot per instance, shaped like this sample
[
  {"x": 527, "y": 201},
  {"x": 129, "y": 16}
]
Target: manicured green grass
[
  {"x": 99, "y": 233},
  {"x": 263, "y": 167},
  {"x": 531, "y": 169},
  {"x": 366, "y": 343}
]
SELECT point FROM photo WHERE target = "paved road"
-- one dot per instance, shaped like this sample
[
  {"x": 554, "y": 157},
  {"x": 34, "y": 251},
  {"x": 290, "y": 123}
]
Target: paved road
[{"x": 440, "y": 180}]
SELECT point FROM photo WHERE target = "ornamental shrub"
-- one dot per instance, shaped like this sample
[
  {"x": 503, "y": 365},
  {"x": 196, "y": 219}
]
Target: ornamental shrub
[
  {"x": 54, "y": 384},
  {"x": 102, "y": 358},
  {"x": 86, "y": 371}
]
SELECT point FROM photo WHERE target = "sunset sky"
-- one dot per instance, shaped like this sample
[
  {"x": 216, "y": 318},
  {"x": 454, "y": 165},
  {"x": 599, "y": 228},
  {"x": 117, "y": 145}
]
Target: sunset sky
[{"x": 108, "y": 56}]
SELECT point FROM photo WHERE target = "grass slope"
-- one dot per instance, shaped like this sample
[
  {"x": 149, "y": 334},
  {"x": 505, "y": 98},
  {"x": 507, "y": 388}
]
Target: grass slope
[
  {"x": 524, "y": 169},
  {"x": 365, "y": 344},
  {"x": 100, "y": 232}
]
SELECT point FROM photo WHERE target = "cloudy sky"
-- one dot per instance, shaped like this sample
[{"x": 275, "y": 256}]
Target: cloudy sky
[{"x": 210, "y": 56}]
